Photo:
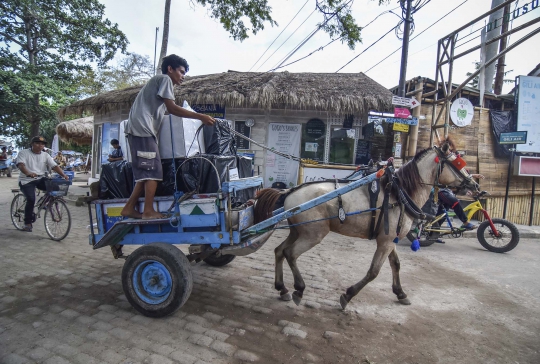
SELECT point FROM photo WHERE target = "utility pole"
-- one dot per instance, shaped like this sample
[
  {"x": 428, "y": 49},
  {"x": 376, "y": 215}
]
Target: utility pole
[
  {"x": 155, "y": 50},
  {"x": 405, "y": 50},
  {"x": 499, "y": 76}
]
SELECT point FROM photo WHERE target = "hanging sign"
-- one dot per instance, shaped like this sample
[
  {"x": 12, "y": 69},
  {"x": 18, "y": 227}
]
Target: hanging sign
[
  {"x": 401, "y": 127},
  {"x": 378, "y": 119},
  {"x": 515, "y": 137},
  {"x": 404, "y": 101},
  {"x": 284, "y": 138},
  {"x": 215, "y": 111},
  {"x": 401, "y": 112},
  {"x": 461, "y": 112}
]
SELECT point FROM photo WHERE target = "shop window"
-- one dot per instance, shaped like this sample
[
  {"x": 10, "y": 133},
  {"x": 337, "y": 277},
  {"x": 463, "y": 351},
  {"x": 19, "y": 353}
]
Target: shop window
[
  {"x": 313, "y": 140},
  {"x": 342, "y": 145}
]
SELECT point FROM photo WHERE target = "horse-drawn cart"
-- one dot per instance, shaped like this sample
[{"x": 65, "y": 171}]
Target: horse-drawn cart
[{"x": 157, "y": 277}]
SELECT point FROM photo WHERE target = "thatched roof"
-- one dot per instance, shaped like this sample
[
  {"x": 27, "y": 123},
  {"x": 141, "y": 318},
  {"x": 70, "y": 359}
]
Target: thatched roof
[
  {"x": 78, "y": 131},
  {"x": 339, "y": 93}
]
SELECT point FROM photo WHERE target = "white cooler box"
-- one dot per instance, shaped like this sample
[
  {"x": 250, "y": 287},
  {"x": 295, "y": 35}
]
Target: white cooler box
[{"x": 181, "y": 131}]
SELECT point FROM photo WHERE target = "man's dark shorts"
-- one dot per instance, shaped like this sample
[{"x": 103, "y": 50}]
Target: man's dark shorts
[{"x": 145, "y": 159}]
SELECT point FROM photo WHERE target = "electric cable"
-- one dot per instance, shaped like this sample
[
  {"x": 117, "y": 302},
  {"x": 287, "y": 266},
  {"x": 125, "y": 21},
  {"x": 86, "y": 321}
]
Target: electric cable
[
  {"x": 294, "y": 17},
  {"x": 416, "y": 36}
]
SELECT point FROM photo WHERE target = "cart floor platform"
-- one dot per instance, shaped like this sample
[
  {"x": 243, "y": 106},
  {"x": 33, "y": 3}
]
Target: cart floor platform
[{"x": 121, "y": 228}]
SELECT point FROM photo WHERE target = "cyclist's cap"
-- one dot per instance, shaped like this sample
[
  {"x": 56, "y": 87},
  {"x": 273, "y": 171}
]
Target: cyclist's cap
[{"x": 39, "y": 139}]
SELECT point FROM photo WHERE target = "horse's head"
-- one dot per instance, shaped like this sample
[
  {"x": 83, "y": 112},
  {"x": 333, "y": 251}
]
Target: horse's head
[{"x": 451, "y": 171}]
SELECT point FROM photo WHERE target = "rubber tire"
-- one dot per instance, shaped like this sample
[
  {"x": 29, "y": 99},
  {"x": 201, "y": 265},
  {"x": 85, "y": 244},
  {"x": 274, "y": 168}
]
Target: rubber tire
[
  {"x": 17, "y": 197},
  {"x": 179, "y": 268},
  {"x": 48, "y": 216},
  {"x": 513, "y": 230},
  {"x": 8, "y": 173},
  {"x": 220, "y": 261},
  {"x": 424, "y": 243}
]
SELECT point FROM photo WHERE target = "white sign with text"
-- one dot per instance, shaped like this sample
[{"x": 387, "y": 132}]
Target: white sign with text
[{"x": 284, "y": 138}]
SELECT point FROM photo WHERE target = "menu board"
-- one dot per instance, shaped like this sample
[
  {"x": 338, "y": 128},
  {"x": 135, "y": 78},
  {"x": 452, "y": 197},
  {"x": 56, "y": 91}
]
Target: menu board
[
  {"x": 363, "y": 152},
  {"x": 240, "y": 127},
  {"x": 284, "y": 138}
]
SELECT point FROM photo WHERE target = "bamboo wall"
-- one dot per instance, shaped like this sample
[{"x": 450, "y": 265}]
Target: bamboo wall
[{"x": 478, "y": 143}]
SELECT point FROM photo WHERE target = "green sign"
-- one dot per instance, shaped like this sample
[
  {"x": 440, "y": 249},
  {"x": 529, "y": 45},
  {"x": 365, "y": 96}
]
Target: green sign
[{"x": 515, "y": 137}]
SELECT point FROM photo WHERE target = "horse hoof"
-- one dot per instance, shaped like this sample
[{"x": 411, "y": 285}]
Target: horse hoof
[
  {"x": 286, "y": 296},
  {"x": 404, "y": 301},
  {"x": 296, "y": 298},
  {"x": 343, "y": 301}
]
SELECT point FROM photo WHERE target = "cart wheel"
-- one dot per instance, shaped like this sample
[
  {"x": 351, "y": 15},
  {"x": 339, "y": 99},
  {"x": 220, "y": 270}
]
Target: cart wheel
[
  {"x": 220, "y": 261},
  {"x": 157, "y": 279},
  {"x": 9, "y": 171}
]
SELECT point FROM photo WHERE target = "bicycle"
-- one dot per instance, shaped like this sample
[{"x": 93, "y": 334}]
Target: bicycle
[
  {"x": 496, "y": 235},
  {"x": 57, "y": 218}
]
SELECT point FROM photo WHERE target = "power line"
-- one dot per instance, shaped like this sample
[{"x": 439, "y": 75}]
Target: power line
[
  {"x": 309, "y": 16},
  {"x": 294, "y": 17},
  {"x": 371, "y": 45},
  {"x": 281, "y": 65},
  {"x": 444, "y": 16}
]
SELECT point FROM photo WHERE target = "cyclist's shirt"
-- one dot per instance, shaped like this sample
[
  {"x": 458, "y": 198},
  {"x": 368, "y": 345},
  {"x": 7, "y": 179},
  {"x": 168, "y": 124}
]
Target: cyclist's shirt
[{"x": 35, "y": 163}]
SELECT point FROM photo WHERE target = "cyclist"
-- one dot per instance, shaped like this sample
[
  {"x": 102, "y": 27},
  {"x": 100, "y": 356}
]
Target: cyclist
[
  {"x": 34, "y": 164},
  {"x": 3, "y": 154}
]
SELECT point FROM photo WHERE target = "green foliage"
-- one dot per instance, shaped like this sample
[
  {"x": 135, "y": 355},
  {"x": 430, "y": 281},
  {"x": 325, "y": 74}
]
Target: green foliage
[
  {"x": 45, "y": 48},
  {"x": 232, "y": 14}
]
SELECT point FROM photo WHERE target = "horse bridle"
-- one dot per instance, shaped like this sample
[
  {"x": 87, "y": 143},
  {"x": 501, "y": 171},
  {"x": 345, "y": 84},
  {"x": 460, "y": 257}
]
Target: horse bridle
[{"x": 442, "y": 159}]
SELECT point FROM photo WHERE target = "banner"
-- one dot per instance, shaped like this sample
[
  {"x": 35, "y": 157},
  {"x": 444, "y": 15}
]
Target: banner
[
  {"x": 284, "y": 138},
  {"x": 54, "y": 145},
  {"x": 527, "y": 113}
]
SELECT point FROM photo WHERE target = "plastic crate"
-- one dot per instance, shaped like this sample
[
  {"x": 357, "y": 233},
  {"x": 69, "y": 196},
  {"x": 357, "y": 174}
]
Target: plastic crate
[
  {"x": 57, "y": 187},
  {"x": 70, "y": 174}
]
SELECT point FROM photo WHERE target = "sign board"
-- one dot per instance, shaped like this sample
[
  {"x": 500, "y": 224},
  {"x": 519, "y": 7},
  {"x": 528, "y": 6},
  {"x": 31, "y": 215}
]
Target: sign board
[
  {"x": 311, "y": 174},
  {"x": 404, "y": 101},
  {"x": 315, "y": 128},
  {"x": 401, "y": 127},
  {"x": 528, "y": 111},
  {"x": 284, "y": 138},
  {"x": 110, "y": 131},
  {"x": 215, "y": 111},
  {"x": 515, "y": 137},
  {"x": 242, "y": 128},
  {"x": 401, "y": 112},
  {"x": 363, "y": 152},
  {"x": 527, "y": 166},
  {"x": 411, "y": 121},
  {"x": 461, "y": 112}
]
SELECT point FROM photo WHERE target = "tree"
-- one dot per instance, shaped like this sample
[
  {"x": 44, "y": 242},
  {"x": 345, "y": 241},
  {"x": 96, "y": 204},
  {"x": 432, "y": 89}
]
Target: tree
[
  {"x": 474, "y": 81},
  {"x": 133, "y": 69},
  {"x": 45, "y": 49},
  {"x": 232, "y": 14}
]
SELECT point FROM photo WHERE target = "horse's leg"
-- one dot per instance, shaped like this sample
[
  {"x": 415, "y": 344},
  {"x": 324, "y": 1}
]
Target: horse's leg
[
  {"x": 383, "y": 250},
  {"x": 292, "y": 252},
  {"x": 279, "y": 284},
  {"x": 396, "y": 284}
]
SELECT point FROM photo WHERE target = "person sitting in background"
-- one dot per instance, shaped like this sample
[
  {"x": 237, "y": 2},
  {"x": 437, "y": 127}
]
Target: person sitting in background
[
  {"x": 117, "y": 154},
  {"x": 3, "y": 155}
]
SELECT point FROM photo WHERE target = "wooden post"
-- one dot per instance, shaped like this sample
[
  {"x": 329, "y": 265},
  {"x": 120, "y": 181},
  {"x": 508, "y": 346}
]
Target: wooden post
[{"x": 413, "y": 131}]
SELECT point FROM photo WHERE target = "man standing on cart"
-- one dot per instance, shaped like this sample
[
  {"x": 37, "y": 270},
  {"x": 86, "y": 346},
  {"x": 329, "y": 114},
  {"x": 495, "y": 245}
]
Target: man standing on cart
[{"x": 142, "y": 130}]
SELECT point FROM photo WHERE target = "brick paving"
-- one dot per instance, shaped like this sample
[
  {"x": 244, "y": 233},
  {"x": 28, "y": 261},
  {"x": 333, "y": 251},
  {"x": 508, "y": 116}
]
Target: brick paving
[{"x": 62, "y": 302}]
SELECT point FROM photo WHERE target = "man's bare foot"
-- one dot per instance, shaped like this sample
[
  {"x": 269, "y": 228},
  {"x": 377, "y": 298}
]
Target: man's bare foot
[
  {"x": 153, "y": 215},
  {"x": 134, "y": 214}
]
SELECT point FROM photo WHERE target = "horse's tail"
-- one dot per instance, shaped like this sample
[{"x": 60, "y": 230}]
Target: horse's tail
[{"x": 266, "y": 200}]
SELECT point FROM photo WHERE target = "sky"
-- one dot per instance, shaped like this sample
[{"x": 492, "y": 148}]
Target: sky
[{"x": 208, "y": 48}]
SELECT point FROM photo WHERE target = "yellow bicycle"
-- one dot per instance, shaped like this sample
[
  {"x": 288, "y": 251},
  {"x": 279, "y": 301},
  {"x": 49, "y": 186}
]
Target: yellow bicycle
[{"x": 496, "y": 235}]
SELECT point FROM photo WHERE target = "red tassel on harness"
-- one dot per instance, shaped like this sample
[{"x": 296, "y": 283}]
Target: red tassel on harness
[{"x": 436, "y": 159}]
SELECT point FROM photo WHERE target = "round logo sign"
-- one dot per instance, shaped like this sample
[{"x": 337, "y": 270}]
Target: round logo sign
[{"x": 462, "y": 112}]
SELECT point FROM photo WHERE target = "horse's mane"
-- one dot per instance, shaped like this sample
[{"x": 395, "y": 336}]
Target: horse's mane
[{"x": 409, "y": 175}]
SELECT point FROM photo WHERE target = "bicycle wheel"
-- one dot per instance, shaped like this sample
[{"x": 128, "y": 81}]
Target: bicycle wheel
[
  {"x": 507, "y": 240},
  {"x": 17, "y": 211},
  {"x": 57, "y": 220}
]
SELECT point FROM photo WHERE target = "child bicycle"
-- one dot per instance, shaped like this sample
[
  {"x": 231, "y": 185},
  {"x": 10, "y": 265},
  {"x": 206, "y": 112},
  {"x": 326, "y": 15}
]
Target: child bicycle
[
  {"x": 496, "y": 235},
  {"x": 57, "y": 219}
]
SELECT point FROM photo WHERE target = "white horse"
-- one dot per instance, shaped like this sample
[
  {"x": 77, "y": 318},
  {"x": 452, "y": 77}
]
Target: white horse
[{"x": 428, "y": 168}]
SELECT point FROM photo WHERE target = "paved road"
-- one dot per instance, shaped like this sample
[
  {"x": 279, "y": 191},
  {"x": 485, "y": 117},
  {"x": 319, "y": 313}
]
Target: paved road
[{"x": 61, "y": 302}]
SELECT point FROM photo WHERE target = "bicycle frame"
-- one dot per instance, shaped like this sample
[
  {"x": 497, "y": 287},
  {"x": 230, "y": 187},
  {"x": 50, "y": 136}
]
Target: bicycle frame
[{"x": 470, "y": 210}]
